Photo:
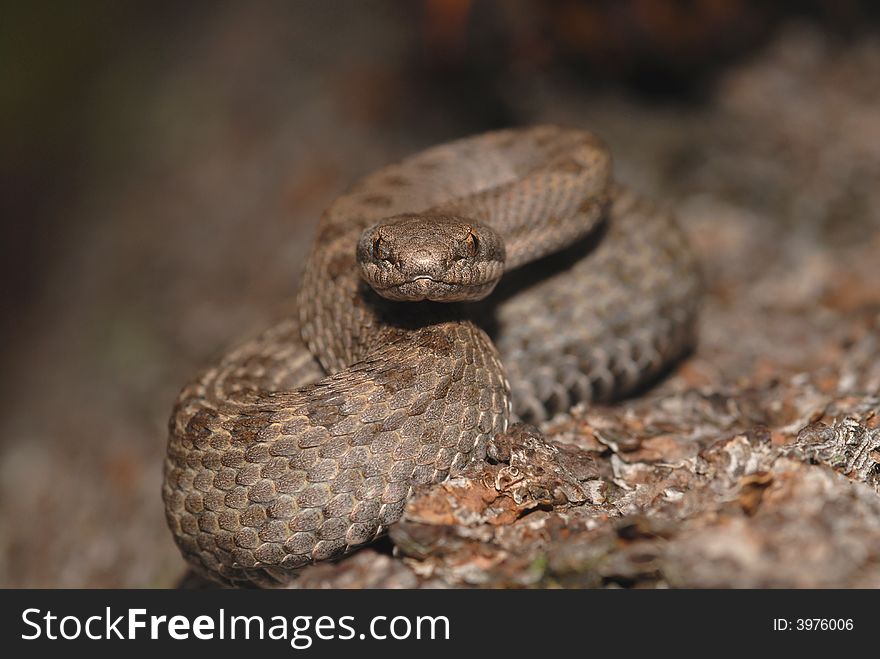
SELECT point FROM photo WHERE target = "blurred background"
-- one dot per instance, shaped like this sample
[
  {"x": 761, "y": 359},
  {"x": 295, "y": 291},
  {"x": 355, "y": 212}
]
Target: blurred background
[{"x": 163, "y": 165}]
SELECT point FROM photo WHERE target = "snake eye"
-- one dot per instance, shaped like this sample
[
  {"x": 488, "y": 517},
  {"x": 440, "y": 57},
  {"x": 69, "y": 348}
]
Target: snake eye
[
  {"x": 472, "y": 243},
  {"x": 379, "y": 251}
]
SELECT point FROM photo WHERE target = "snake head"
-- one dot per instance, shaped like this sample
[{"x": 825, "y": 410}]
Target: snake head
[{"x": 431, "y": 257}]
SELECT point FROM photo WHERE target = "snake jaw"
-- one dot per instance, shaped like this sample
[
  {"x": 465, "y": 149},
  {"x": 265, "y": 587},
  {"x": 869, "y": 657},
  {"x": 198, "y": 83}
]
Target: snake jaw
[{"x": 424, "y": 288}]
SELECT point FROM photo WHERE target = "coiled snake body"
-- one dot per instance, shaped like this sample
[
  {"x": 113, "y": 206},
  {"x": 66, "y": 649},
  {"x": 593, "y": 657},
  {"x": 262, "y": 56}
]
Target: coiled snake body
[{"x": 306, "y": 441}]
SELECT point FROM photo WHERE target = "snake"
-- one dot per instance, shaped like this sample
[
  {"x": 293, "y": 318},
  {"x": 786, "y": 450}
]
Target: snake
[{"x": 494, "y": 279}]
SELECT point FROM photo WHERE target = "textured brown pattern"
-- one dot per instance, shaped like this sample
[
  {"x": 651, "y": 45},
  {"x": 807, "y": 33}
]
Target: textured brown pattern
[{"x": 306, "y": 442}]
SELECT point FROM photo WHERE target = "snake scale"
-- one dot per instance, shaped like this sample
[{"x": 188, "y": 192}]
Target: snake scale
[{"x": 305, "y": 442}]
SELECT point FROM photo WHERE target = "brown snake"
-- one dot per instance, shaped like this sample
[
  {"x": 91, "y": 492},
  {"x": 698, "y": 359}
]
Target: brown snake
[{"x": 305, "y": 442}]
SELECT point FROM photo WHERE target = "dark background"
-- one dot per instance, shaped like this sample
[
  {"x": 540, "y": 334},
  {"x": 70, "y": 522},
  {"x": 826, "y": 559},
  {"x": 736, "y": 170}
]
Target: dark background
[{"x": 162, "y": 166}]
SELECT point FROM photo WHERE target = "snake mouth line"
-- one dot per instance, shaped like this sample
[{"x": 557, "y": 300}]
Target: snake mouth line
[{"x": 414, "y": 280}]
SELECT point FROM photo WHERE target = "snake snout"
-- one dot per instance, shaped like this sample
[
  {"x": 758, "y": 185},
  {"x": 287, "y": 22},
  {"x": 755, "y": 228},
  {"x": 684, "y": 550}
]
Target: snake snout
[{"x": 424, "y": 264}]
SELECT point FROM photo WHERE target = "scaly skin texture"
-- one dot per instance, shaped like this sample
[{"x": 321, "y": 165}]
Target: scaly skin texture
[{"x": 305, "y": 442}]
